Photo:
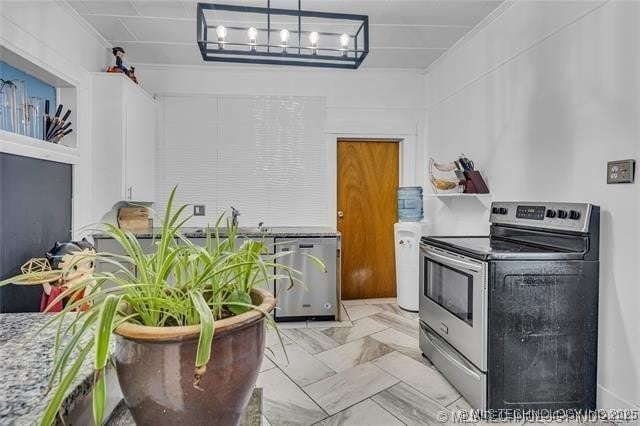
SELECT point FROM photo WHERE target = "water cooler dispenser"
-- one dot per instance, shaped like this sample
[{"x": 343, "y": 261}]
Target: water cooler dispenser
[{"x": 407, "y": 246}]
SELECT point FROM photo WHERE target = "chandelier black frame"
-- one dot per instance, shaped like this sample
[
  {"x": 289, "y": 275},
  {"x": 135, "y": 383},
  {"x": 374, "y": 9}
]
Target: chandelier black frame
[{"x": 350, "y": 56}]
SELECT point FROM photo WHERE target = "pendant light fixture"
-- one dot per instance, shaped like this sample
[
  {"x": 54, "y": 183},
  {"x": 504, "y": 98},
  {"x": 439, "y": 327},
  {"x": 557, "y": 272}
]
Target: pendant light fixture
[{"x": 265, "y": 35}]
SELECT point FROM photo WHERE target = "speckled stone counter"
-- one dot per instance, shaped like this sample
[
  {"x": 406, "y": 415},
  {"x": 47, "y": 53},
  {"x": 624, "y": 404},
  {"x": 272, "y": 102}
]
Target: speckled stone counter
[
  {"x": 26, "y": 361},
  {"x": 25, "y": 365},
  {"x": 272, "y": 232}
]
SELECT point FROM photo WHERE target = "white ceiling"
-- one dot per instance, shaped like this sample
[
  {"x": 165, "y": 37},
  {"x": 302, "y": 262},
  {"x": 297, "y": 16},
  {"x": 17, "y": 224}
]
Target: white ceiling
[{"x": 406, "y": 34}]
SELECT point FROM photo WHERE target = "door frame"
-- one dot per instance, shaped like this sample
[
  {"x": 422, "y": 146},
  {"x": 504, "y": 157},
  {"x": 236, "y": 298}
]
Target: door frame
[{"x": 406, "y": 168}]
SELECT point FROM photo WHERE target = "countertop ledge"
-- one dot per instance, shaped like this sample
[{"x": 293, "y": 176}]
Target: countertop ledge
[
  {"x": 269, "y": 232},
  {"x": 27, "y": 361}
]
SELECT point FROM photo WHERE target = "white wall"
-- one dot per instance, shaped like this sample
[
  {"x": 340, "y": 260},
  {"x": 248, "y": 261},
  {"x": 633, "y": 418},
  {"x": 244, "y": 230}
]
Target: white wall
[
  {"x": 541, "y": 98},
  {"x": 52, "y": 35},
  {"x": 362, "y": 103}
]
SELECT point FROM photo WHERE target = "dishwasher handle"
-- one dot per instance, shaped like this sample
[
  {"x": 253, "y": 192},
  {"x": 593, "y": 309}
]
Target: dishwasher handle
[{"x": 301, "y": 246}]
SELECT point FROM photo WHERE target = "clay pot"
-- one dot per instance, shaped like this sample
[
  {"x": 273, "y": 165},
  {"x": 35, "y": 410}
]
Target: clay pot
[{"x": 155, "y": 367}]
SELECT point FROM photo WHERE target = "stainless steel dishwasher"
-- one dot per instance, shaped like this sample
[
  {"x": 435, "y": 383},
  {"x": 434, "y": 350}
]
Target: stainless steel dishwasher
[{"x": 318, "y": 299}]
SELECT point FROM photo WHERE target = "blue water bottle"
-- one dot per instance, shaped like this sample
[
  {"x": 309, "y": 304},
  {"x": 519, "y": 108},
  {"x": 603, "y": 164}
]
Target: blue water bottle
[{"x": 410, "y": 204}]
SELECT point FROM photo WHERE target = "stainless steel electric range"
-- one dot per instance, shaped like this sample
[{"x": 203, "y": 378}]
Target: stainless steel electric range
[{"x": 511, "y": 319}]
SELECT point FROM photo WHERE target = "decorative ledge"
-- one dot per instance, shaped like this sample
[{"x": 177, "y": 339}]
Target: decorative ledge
[{"x": 13, "y": 143}]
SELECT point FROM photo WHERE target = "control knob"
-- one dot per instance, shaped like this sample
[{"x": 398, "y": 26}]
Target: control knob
[
  {"x": 494, "y": 210},
  {"x": 562, "y": 214},
  {"x": 551, "y": 213},
  {"x": 575, "y": 215},
  {"x": 502, "y": 210}
]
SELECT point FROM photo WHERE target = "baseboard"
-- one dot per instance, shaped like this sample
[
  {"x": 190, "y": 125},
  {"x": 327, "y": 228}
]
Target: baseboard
[{"x": 608, "y": 400}]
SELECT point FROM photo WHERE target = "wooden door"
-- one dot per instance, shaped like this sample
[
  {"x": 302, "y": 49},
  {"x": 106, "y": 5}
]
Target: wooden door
[{"x": 368, "y": 178}]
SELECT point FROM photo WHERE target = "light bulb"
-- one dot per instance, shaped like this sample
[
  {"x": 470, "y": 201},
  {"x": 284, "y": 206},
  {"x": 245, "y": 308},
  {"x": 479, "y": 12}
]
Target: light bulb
[
  {"x": 344, "y": 44},
  {"x": 221, "y": 31},
  {"x": 253, "y": 34},
  {"x": 344, "y": 41},
  {"x": 313, "y": 38},
  {"x": 284, "y": 36}
]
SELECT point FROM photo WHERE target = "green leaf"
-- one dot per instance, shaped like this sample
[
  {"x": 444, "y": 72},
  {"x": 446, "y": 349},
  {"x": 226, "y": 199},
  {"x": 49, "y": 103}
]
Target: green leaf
[
  {"x": 99, "y": 397},
  {"x": 108, "y": 311},
  {"x": 62, "y": 358},
  {"x": 49, "y": 415},
  {"x": 240, "y": 297},
  {"x": 205, "y": 340}
]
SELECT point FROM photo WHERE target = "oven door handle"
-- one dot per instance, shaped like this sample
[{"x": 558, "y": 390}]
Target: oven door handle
[
  {"x": 446, "y": 354},
  {"x": 456, "y": 263}
]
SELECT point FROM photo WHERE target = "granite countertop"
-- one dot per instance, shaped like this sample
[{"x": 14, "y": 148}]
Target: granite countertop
[
  {"x": 251, "y": 232},
  {"x": 26, "y": 364},
  {"x": 27, "y": 360}
]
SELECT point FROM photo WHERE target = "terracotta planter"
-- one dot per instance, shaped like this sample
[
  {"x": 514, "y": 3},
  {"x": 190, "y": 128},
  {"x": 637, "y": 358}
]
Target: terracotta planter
[{"x": 155, "y": 367}]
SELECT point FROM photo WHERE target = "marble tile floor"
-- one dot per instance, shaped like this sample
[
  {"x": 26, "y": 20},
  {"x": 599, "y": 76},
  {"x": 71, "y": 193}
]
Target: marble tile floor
[{"x": 365, "y": 370}]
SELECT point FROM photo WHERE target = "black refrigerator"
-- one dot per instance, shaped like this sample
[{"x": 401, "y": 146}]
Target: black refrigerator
[{"x": 35, "y": 212}]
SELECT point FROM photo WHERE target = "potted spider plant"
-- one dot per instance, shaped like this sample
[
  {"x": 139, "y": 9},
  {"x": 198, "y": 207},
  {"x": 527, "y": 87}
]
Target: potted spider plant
[{"x": 188, "y": 325}]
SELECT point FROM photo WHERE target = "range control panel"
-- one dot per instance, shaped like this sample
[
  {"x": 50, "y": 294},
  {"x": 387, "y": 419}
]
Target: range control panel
[
  {"x": 562, "y": 216},
  {"x": 531, "y": 212}
]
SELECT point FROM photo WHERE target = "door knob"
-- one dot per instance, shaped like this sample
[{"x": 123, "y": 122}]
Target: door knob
[{"x": 340, "y": 214}]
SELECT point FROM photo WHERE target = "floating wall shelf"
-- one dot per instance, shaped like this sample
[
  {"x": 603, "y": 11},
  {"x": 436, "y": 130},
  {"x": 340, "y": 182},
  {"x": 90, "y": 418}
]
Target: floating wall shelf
[
  {"x": 448, "y": 198},
  {"x": 458, "y": 195}
]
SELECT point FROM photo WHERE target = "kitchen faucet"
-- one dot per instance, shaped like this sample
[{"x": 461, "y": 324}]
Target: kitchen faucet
[{"x": 234, "y": 216}]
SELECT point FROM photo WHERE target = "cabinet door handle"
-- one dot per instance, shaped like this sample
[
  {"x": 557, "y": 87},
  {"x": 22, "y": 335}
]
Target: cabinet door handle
[{"x": 130, "y": 193}]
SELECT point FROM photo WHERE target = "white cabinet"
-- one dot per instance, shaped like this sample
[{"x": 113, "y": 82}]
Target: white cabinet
[{"x": 123, "y": 123}]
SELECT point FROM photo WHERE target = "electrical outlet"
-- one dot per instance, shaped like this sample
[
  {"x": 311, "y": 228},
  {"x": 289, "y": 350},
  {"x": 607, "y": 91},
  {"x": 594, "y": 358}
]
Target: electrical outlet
[
  {"x": 621, "y": 171},
  {"x": 198, "y": 209}
]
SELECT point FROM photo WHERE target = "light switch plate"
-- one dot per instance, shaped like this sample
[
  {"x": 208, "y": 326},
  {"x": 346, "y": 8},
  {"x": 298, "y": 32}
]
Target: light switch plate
[
  {"x": 198, "y": 209},
  {"x": 621, "y": 171}
]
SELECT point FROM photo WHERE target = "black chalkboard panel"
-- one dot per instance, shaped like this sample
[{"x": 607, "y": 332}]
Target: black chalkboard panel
[{"x": 35, "y": 212}]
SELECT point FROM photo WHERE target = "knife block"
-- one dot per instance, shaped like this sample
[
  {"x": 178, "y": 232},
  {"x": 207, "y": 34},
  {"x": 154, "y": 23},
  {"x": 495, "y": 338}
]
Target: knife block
[{"x": 474, "y": 184}]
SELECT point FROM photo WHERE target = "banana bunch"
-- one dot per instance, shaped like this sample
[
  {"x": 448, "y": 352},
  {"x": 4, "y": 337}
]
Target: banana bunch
[{"x": 444, "y": 185}]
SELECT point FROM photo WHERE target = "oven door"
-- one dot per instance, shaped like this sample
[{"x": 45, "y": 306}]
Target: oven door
[{"x": 453, "y": 301}]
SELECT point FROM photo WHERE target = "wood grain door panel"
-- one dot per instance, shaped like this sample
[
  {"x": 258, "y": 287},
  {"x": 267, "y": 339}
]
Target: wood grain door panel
[{"x": 368, "y": 175}]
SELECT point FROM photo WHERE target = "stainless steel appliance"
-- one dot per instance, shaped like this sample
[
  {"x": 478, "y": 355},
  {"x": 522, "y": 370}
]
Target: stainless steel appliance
[
  {"x": 511, "y": 319},
  {"x": 318, "y": 298},
  {"x": 453, "y": 304}
]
